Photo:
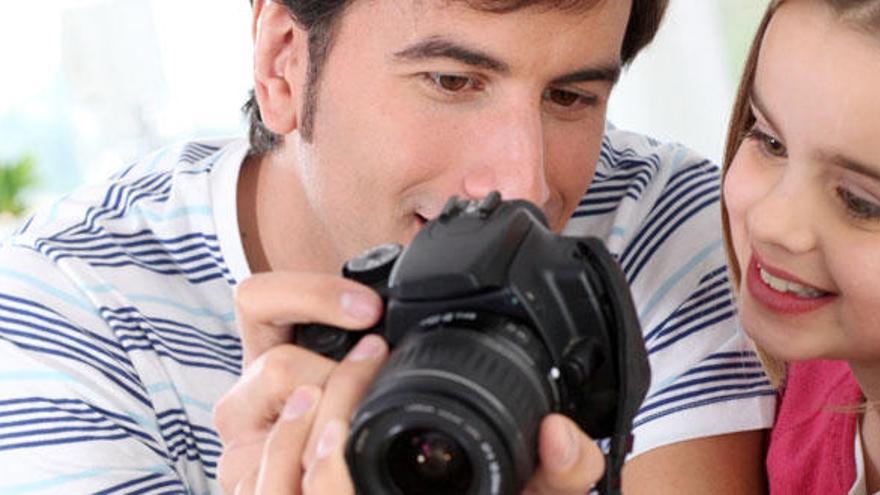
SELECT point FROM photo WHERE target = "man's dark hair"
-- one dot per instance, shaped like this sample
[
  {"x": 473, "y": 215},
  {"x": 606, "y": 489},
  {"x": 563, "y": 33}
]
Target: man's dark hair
[{"x": 318, "y": 18}]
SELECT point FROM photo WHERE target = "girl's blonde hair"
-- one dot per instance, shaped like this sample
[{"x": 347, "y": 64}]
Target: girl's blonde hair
[{"x": 863, "y": 15}]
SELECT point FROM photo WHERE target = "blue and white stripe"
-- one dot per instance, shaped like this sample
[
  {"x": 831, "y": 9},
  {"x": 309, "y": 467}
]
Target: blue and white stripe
[
  {"x": 657, "y": 208},
  {"x": 117, "y": 332}
]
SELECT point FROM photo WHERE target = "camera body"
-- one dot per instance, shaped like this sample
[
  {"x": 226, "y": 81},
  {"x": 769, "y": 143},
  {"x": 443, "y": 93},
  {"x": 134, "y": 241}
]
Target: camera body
[{"x": 493, "y": 322}]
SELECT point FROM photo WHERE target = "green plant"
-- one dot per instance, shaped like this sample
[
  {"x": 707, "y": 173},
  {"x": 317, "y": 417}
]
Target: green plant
[{"x": 16, "y": 177}]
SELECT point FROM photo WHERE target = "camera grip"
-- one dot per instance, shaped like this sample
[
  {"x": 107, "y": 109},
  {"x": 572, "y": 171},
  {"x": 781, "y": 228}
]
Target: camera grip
[{"x": 326, "y": 340}]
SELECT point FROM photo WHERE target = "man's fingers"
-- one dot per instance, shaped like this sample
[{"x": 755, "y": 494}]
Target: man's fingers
[
  {"x": 570, "y": 461},
  {"x": 236, "y": 472},
  {"x": 328, "y": 472},
  {"x": 347, "y": 384},
  {"x": 247, "y": 411},
  {"x": 247, "y": 485},
  {"x": 281, "y": 468},
  {"x": 268, "y": 304}
]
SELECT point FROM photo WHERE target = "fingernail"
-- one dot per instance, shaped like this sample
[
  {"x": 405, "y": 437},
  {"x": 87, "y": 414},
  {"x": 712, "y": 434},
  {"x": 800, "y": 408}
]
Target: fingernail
[
  {"x": 359, "y": 305},
  {"x": 299, "y": 403},
  {"x": 369, "y": 347},
  {"x": 329, "y": 439},
  {"x": 571, "y": 449}
]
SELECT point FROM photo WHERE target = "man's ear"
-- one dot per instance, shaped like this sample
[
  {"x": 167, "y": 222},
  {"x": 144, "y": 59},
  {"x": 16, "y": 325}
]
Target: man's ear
[
  {"x": 257, "y": 8},
  {"x": 280, "y": 63}
]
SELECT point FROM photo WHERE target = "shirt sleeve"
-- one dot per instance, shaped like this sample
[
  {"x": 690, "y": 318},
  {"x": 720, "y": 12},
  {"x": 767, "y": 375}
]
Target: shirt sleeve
[
  {"x": 657, "y": 208},
  {"x": 74, "y": 414}
]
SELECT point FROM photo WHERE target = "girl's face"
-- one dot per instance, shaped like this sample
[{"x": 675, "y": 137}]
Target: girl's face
[{"x": 803, "y": 191}]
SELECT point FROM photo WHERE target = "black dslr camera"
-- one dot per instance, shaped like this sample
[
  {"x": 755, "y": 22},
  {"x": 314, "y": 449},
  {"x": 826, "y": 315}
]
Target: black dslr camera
[{"x": 493, "y": 322}]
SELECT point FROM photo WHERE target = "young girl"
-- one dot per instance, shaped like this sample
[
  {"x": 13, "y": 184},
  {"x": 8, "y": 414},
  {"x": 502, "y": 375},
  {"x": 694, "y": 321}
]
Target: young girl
[{"x": 802, "y": 200}]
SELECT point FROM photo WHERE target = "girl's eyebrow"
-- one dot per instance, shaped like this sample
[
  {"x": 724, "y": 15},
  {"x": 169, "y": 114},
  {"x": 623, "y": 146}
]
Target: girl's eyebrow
[
  {"x": 845, "y": 162},
  {"x": 759, "y": 108},
  {"x": 833, "y": 158}
]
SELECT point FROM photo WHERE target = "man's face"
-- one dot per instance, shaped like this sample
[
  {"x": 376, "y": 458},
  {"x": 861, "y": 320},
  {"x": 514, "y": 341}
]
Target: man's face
[{"x": 421, "y": 100}]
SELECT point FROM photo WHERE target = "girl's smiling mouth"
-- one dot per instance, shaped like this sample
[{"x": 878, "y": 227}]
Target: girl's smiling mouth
[{"x": 778, "y": 292}]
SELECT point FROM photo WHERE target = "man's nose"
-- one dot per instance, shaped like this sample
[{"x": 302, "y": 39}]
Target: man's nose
[
  {"x": 510, "y": 158},
  {"x": 785, "y": 216}
]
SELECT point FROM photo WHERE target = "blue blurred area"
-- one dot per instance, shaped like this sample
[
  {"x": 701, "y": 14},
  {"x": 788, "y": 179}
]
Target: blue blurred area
[
  {"x": 47, "y": 136},
  {"x": 86, "y": 86}
]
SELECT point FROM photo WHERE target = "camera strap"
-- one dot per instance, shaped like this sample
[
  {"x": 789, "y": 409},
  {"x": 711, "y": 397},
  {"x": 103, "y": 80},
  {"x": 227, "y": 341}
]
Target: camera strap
[{"x": 621, "y": 445}]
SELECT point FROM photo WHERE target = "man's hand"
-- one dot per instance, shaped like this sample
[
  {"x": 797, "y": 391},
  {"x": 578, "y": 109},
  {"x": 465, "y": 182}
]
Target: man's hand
[
  {"x": 284, "y": 424},
  {"x": 570, "y": 461}
]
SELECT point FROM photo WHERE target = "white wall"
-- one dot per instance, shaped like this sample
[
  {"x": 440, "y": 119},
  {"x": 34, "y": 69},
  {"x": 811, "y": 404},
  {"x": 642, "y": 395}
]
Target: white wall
[
  {"x": 70, "y": 94},
  {"x": 88, "y": 85},
  {"x": 681, "y": 87}
]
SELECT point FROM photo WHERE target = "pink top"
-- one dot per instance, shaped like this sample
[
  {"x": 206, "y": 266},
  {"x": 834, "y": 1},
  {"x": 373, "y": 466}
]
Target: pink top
[{"x": 812, "y": 442}]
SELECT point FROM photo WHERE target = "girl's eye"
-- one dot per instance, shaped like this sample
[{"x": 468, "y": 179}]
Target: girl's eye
[
  {"x": 769, "y": 144},
  {"x": 452, "y": 83},
  {"x": 857, "y": 206}
]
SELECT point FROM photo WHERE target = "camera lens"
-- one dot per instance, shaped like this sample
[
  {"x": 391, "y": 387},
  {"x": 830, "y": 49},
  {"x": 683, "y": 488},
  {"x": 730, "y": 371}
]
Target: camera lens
[
  {"x": 454, "y": 410},
  {"x": 428, "y": 462}
]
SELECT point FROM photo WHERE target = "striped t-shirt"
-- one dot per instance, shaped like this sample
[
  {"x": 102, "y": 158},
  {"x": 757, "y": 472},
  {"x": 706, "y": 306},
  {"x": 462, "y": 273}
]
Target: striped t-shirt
[{"x": 117, "y": 333}]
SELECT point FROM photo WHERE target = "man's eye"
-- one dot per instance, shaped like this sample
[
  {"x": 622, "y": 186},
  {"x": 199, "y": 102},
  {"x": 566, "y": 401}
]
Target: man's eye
[
  {"x": 452, "y": 83},
  {"x": 563, "y": 98}
]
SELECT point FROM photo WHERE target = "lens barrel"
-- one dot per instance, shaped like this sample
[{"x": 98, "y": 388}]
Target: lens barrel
[
  {"x": 455, "y": 410},
  {"x": 430, "y": 462}
]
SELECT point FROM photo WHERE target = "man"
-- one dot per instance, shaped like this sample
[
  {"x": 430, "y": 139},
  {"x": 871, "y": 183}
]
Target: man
[{"x": 117, "y": 336}]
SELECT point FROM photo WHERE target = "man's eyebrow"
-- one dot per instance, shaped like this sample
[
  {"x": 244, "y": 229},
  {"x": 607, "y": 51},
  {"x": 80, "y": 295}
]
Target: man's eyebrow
[
  {"x": 442, "y": 48},
  {"x": 437, "y": 47},
  {"x": 848, "y": 163},
  {"x": 609, "y": 73}
]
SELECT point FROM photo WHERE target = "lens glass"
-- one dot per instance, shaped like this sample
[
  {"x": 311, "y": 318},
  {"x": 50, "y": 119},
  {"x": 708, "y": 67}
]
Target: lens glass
[{"x": 429, "y": 462}]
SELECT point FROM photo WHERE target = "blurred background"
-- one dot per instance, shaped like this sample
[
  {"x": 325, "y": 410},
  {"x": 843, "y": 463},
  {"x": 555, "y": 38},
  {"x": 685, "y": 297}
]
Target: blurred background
[{"x": 87, "y": 86}]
